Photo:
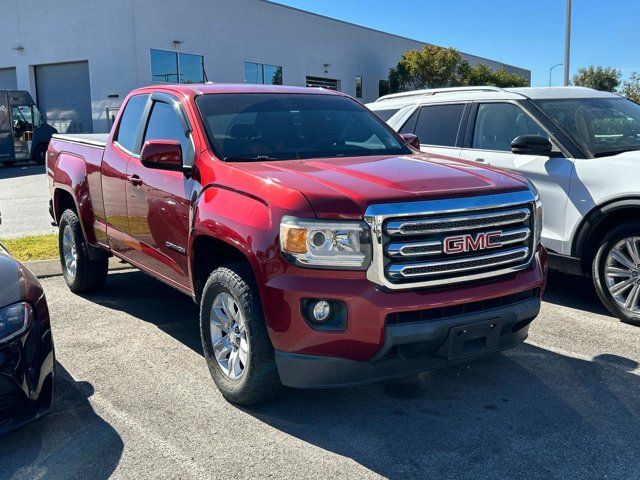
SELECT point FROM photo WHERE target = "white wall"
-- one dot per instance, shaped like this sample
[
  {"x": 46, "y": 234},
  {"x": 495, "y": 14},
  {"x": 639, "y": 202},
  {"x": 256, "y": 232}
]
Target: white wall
[{"x": 115, "y": 36}]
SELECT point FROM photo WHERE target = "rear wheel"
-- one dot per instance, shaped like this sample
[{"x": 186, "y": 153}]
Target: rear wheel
[
  {"x": 616, "y": 272},
  {"x": 80, "y": 271},
  {"x": 234, "y": 337}
]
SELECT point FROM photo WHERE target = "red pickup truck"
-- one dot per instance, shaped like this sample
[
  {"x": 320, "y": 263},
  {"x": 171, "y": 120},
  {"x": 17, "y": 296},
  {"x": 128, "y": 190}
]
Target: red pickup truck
[{"x": 323, "y": 248}]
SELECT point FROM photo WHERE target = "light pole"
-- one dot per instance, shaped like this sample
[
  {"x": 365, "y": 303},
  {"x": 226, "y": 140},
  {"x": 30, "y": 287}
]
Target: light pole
[
  {"x": 551, "y": 70},
  {"x": 567, "y": 45}
]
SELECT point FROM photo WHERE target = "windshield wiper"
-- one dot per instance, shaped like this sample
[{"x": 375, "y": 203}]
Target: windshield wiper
[
  {"x": 257, "y": 158},
  {"x": 615, "y": 151}
]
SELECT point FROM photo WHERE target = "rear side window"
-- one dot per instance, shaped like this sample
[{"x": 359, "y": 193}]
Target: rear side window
[
  {"x": 164, "y": 124},
  {"x": 130, "y": 120},
  {"x": 439, "y": 124}
]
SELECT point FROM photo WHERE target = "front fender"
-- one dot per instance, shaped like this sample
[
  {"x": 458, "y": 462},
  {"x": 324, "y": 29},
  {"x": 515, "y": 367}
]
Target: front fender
[{"x": 248, "y": 223}]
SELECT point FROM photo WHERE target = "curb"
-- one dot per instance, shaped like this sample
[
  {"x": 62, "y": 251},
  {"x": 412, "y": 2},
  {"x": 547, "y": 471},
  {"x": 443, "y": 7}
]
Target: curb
[{"x": 51, "y": 268}]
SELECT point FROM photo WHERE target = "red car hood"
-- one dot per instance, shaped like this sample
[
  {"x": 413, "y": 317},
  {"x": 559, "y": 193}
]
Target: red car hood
[{"x": 345, "y": 187}]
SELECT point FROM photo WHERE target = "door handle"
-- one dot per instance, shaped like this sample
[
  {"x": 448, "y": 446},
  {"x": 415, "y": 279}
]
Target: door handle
[
  {"x": 481, "y": 160},
  {"x": 135, "y": 180}
]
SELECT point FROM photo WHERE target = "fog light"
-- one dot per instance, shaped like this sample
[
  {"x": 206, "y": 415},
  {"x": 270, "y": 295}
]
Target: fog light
[{"x": 321, "y": 311}]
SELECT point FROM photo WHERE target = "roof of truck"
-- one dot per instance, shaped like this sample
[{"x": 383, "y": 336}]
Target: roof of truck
[{"x": 209, "y": 88}]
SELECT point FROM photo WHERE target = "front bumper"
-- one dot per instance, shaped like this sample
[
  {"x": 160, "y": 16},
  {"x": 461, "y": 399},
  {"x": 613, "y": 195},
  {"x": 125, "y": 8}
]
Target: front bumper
[{"x": 415, "y": 347}]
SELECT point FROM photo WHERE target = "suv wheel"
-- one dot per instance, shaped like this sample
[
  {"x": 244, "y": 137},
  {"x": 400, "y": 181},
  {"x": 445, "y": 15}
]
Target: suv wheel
[
  {"x": 81, "y": 273},
  {"x": 234, "y": 337},
  {"x": 616, "y": 272}
]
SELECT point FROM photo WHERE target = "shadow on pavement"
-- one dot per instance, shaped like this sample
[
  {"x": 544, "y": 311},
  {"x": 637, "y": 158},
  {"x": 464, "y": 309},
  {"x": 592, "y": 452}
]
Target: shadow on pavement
[
  {"x": 573, "y": 292},
  {"x": 23, "y": 169},
  {"x": 150, "y": 300},
  {"x": 526, "y": 413},
  {"x": 72, "y": 441}
]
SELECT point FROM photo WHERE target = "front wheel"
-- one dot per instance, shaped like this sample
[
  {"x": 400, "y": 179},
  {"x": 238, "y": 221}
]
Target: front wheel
[
  {"x": 234, "y": 337},
  {"x": 80, "y": 271},
  {"x": 616, "y": 272}
]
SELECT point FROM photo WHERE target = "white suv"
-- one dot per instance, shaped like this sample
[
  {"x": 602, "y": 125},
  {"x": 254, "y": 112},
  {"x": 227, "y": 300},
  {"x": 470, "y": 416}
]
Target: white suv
[{"x": 580, "y": 148}]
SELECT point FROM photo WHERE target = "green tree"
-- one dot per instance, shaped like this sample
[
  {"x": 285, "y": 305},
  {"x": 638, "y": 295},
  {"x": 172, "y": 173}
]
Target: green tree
[
  {"x": 437, "y": 67},
  {"x": 606, "y": 79},
  {"x": 631, "y": 87},
  {"x": 505, "y": 79},
  {"x": 431, "y": 67}
]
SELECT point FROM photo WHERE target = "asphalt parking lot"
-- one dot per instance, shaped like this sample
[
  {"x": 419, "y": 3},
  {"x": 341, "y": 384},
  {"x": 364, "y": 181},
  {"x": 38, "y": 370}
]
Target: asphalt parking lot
[
  {"x": 135, "y": 400},
  {"x": 24, "y": 201}
]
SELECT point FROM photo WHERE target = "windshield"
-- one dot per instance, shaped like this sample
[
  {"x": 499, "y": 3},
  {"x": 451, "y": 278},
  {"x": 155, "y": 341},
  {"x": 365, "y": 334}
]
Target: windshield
[
  {"x": 259, "y": 127},
  {"x": 601, "y": 126}
]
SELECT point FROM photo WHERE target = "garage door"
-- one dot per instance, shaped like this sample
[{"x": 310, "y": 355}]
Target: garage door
[
  {"x": 64, "y": 95},
  {"x": 8, "y": 79}
]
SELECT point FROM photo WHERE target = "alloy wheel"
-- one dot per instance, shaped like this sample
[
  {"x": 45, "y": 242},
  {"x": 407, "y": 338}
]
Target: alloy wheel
[
  {"x": 229, "y": 336},
  {"x": 69, "y": 251},
  {"x": 622, "y": 274}
]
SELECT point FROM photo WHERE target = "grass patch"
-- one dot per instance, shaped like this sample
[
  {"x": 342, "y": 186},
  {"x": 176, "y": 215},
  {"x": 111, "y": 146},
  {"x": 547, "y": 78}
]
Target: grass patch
[{"x": 25, "y": 249}]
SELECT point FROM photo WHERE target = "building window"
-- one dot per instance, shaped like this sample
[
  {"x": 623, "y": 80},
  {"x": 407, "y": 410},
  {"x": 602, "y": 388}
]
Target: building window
[
  {"x": 260, "y": 73},
  {"x": 383, "y": 88},
  {"x": 174, "y": 67},
  {"x": 358, "y": 86}
]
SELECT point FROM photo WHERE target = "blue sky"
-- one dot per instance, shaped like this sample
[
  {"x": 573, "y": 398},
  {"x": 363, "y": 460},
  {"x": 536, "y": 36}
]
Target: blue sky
[{"x": 526, "y": 33}]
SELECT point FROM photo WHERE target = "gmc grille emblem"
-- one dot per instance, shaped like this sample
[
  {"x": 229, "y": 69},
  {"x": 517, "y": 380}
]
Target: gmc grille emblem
[{"x": 470, "y": 243}]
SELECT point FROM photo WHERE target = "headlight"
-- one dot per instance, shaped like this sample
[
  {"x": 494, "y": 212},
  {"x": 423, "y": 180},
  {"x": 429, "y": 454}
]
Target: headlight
[
  {"x": 326, "y": 244},
  {"x": 14, "y": 320}
]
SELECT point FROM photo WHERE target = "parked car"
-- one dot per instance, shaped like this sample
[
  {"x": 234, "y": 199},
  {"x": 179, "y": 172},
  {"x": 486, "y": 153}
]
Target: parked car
[
  {"x": 580, "y": 147},
  {"x": 24, "y": 135},
  {"x": 26, "y": 346},
  {"x": 322, "y": 249}
]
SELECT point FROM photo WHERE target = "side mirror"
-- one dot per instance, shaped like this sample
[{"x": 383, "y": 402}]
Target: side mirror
[
  {"x": 162, "y": 155},
  {"x": 531, "y": 145},
  {"x": 411, "y": 140}
]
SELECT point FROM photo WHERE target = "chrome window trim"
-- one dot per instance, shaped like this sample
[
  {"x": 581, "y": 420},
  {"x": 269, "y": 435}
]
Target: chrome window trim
[{"x": 376, "y": 215}]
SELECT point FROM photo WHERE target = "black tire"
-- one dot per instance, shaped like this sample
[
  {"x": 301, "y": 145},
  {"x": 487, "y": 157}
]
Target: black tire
[
  {"x": 9, "y": 163},
  {"x": 631, "y": 229},
  {"x": 40, "y": 154},
  {"x": 90, "y": 274},
  {"x": 259, "y": 381}
]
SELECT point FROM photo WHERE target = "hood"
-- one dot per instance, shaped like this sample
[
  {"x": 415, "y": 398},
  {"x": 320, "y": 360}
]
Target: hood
[
  {"x": 17, "y": 284},
  {"x": 345, "y": 187}
]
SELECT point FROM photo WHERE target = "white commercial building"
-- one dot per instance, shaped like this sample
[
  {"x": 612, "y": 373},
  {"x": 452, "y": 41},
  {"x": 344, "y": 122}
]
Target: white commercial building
[{"x": 79, "y": 58}]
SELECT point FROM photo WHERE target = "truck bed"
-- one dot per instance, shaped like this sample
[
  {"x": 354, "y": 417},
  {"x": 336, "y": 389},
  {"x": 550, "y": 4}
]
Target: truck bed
[{"x": 92, "y": 139}]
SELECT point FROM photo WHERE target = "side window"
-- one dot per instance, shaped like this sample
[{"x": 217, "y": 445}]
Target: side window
[
  {"x": 129, "y": 122},
  {"x": 439, "y": 124},
  {"x": 410, "y": 125},
  {"x": 498, "y": 124},
  {"x": 164, "y": 124}
]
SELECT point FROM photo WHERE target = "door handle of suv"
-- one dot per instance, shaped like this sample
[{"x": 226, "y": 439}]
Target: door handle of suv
[
  {"x": 135, "y": 180},
  {"x": 481, "y": 160}
]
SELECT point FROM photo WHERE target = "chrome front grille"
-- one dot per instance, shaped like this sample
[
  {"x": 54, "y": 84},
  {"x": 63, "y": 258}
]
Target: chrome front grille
[{"x": 439, "y": 242}]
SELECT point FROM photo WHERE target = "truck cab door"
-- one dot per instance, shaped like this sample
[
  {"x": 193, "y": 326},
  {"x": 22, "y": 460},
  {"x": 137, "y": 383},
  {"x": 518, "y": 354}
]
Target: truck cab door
[
  {"x": 492, "y": 127},
  {"x": 114, "y": 227},
  {"x": 159, "y": 201},
  {"x": 7, "y": 152}
]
